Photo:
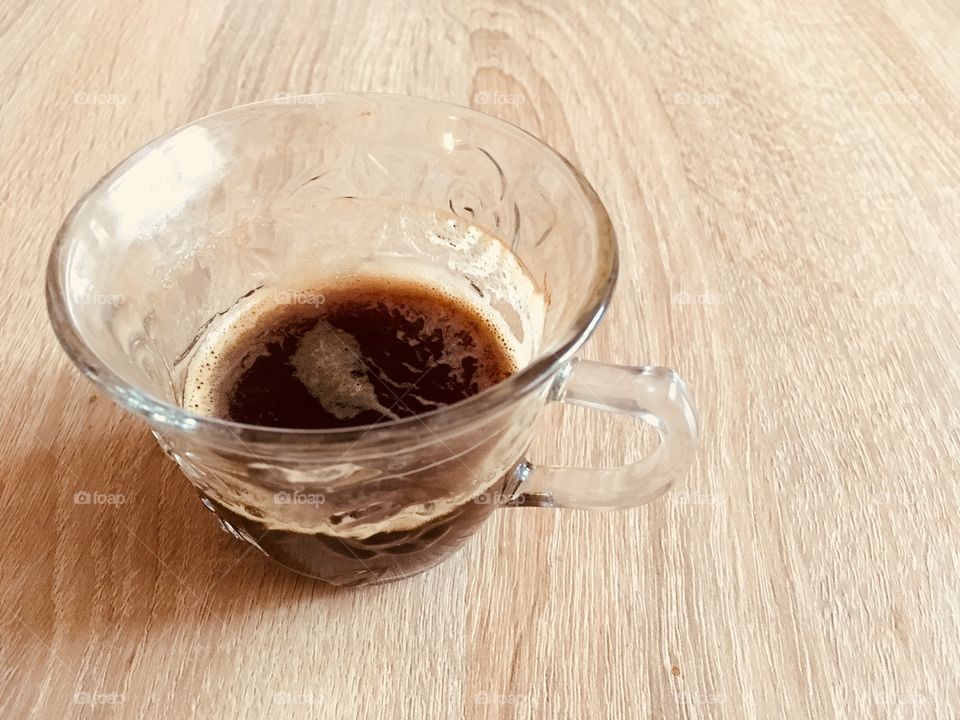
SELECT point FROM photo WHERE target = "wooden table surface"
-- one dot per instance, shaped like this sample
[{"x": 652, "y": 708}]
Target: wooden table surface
[{"x": 785, "y": 181}]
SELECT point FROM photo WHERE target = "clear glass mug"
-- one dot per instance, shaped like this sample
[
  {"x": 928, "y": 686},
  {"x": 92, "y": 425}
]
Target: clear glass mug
[{"x": 254, "y": 200}]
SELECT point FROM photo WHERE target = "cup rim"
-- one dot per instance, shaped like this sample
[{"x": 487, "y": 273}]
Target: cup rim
[{"x": 159, "y": 412}]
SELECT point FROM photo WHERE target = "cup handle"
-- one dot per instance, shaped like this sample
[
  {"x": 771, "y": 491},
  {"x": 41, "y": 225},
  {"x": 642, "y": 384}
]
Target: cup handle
[{"x": 653, "y": 394}]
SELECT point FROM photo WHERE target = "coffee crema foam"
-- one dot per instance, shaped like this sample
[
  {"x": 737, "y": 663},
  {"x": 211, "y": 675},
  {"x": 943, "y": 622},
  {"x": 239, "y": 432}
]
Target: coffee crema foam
[
  {"x": 201, "y": 390},
  {"x": 479, "y": 274}
]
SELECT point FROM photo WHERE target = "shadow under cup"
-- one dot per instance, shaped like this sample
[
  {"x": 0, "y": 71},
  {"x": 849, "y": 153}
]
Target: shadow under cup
[{"x": 280, "y": 199}]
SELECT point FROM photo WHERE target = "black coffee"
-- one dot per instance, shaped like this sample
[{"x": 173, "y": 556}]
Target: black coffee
[
  {"x": 357, "y": 355},
  {"x": 361, "y": 354}
]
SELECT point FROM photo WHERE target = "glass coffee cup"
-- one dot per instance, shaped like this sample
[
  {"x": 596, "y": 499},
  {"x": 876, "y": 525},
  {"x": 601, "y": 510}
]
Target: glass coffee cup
[{"x": 271, "y": 199}]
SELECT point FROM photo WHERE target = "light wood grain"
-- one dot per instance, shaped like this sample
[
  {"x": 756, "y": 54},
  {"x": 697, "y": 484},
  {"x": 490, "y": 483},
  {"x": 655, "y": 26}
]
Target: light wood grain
[{"x": 794, "y": 168}]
